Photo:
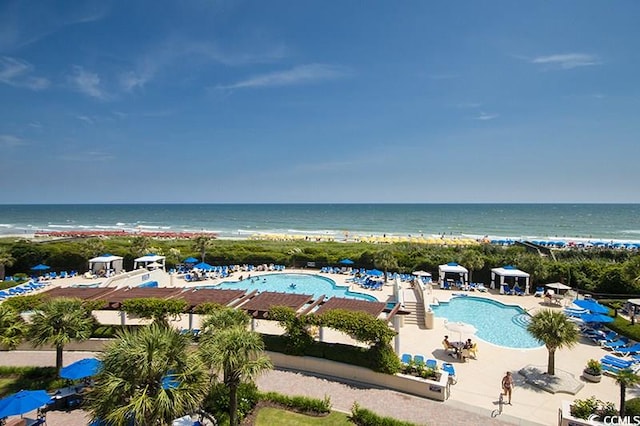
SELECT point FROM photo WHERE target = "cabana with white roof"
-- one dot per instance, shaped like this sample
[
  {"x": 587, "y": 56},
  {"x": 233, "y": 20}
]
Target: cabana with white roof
[
  {"x": 106, "y": 263},
  {"x": 509, "y": 272},
  {"x": 453, "y": 271},
  {"x": 150, "y": 260}
]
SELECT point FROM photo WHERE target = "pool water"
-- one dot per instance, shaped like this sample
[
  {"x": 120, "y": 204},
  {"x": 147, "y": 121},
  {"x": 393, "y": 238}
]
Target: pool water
[
  {"x": 314, "y": 285},
  {"x": 496, "y": 322}
]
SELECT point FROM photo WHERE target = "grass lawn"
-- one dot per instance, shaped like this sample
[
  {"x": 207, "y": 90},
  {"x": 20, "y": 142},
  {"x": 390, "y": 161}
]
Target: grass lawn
[{"x": 268, "y": 416}]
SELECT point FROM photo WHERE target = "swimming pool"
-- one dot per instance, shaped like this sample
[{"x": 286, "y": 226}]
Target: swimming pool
[
  {"x": 497, "y": 323},
  {"x": 314, "y": 285}
]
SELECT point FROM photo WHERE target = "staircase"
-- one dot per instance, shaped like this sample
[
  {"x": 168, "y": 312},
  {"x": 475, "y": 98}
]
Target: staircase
[{"x": 416, "y": 317}]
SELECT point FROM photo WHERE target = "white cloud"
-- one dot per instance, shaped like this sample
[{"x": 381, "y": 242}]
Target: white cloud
[
  {"x": 8, "y": 141},
  {"x": 87, "y": 82},
  {"x": 303, "y": 74},
  {"x": 567, "y": 60},
  {"x": 89, "y": 156},
  {"x": 86, "y": 119},
  {"x": 18, "y": 73},
  {"x": 484, "y": 116}
]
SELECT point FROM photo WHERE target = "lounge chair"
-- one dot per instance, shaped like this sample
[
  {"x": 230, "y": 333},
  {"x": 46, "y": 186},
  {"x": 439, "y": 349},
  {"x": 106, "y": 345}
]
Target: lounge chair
[
  {"x": 611, "y": 336},
  {"x": 517, "y": 290},
  {"x": 432, "y": 363},
  {"x": 406, "y": 359},
  {"x": 418, "y": 359},
  {"x": 632, "y": 350},
  {"x": 620, "y": 343},
  {"x": 449, "y": 368},
  {"x": 481, "y": 287},
  {"x": 539, "y": 292},
  {"x": 616, "y": 362},
  {"x": 612, "y": 370}
]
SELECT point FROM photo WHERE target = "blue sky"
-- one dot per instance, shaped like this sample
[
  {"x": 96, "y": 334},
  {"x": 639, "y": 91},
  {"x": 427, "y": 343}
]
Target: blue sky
[{"x": 319, "y": 101}]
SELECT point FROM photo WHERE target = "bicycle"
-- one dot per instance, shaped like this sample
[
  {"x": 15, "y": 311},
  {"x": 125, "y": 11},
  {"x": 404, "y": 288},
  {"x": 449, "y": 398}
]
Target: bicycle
[{"x": 498, "y": 411}]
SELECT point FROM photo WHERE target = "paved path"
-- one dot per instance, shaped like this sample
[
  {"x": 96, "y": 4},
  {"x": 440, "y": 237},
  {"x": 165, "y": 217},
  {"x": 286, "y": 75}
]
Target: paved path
[{"x": 384, "y": 402}]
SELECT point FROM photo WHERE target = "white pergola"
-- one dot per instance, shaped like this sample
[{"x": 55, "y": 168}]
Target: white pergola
[
  {"x": 509, "y": 271},
  {"x": 148, "y": 259},
  {"x": 106, "y": 262},
  {"x": 459, "y": 272}
]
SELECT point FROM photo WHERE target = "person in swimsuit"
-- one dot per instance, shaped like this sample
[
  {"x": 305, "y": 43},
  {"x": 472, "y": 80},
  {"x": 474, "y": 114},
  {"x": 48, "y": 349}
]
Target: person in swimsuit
[{"x": 507, "y": 386}]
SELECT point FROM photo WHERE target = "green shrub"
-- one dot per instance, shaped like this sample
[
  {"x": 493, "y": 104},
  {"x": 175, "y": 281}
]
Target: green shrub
[
  {"x": 583, "y": 408},
  {"x": 363, "y": 417},
  {"x": 632, "y": 407},
  {"x": 300, "y": 404},
  {"x": 217, "y": 401}
]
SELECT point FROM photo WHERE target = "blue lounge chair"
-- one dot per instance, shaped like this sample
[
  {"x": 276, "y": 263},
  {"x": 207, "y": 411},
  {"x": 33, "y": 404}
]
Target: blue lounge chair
[
  {"x": 616, "y": 362},
  {"x": 418, "y": 359},
  {"x": 539, "y": 292},
  {"x": 432, "y": 363},
  {"x": 518, "y": 291},
  {"x": 601, "y": 338},
  {"x": 632, "y": 350},
  {"x": 406, "y": 359},
  {"x": 620, "y": 343},
  {"x": 449, "y": 368},
  {"x": 607, "y": 368}
]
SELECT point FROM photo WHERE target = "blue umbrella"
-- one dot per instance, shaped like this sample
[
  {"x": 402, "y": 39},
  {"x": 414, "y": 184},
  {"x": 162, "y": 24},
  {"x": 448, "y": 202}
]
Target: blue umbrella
[
  {"x": 23, "y": 402},
  {"x": 192, "y": 260},
  {"x": 596, "y": 318},
  {"x": 86, "y": 367},
  {"x": 375, "y": 273},
  {"x": 204, "y": 266},
  {"x": 591, "y": 306},
  {"x": 40, "y": 267},
  {"x": 347, "y": 262}
]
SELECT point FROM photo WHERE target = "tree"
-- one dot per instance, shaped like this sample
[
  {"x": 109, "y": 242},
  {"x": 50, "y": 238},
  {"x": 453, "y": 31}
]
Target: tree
[
  {"x": 473, "y": 261},
  {"x": 150, "y": 376},
  {"x": 201, "y": 243},
  {"x": 140, "y": 245},
  {"x": 6, "y": 259},
  {"x": 92, "y": 247},
  {"x": 234, "y": 350},
  {"x": 12, "y": 327},
  {"x": 174, "y": 255},
  {"x": 58, "y": 322},
  {"x": 385, "y": 260},
  {"x": 555, "y": 330},
  {"x": 625, "y": 378}
]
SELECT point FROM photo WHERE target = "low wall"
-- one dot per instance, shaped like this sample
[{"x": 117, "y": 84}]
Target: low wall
[{"x": 421, "y": 387}]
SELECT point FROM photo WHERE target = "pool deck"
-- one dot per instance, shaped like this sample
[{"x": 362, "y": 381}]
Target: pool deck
[{"x": 478, "y": 380}]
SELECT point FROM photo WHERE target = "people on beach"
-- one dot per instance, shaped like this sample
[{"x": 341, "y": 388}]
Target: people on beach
[{"x": 507, "y": 386}]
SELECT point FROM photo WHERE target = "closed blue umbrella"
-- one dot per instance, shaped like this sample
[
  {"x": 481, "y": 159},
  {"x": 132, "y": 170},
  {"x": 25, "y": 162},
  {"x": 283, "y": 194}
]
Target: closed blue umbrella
[
  {"x": 592, "y": 306},
  {"x": 86, "y": 367},
  {"x": 23, "y": 402}
]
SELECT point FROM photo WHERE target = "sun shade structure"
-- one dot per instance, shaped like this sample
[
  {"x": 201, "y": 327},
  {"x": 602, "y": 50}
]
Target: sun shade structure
[
  {"x": 346, "y": 262},
  {"x": 89, "y": 293},
  {"x": 372, "y": 308},
  {"x": 509, "y": 271},
  {"x": 106, "y": 262},
  {"x": 114, "y": 299},
  {"x": 218, "y": 296},
  {"x": 453, "y": 271},
  {"x": 23, "y": 402},
  {"x": 260, "y": 305},
  {"x": 86, "y": 367},
  {"x": 148, "y": 260}
]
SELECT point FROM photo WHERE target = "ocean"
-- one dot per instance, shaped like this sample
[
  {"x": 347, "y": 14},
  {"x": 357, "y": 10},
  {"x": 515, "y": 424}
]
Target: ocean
[{"x": 620, "y": 222}]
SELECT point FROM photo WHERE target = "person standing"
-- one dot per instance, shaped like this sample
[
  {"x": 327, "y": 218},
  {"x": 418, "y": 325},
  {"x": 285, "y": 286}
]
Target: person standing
[{"x": 507, "y": 386}]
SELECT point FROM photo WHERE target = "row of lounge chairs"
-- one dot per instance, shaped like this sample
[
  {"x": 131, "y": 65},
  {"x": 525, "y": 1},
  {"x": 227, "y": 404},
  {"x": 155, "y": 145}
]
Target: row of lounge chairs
[
  {"x": 22, "y": 289},
  {"x": 459, "y": 285},
  {"x": 515, "y": 291},
  {"x": 408, "y": 360},
  {"x": 613, "y": 365},
  {"x": 46, "y": 276}
]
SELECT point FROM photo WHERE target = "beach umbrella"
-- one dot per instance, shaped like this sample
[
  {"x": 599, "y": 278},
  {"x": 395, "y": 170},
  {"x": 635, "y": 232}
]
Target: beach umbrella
[
  {"x": 462, "y": 328},
  {"x": 204, "y": 266},
  {"x": 40, "y": 267},
  {"x": 191, "y": 260},
  {"x": 346, "y": 262},
  {"x": 375, "y": 273},
  {"x": 86, "y": 367},
  {"x": 592, "y": 306},
  {"x": 596, "y": 318},
  {"x": 421, "y": 273},
  {"x": 23, "y": 402}
]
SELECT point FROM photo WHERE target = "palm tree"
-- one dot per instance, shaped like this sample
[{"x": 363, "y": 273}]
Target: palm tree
[
  {"x": 385, "y": 260},
  {"x": 554, "y": 329},
  {"x": 201, "y": 243},
  {"x": 227, "y": 345},
  {"x": 6, "y": 259},
  {"x": 149, "y": 376},
  {"x": 625, "y": 378},
  {"x": 12, "y": 327},
  {"x": 58, "y": 322},
  {"x": 473, "y": 260}
]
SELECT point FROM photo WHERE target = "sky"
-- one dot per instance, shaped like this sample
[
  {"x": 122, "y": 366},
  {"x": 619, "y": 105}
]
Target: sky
[{"x": 237, "y": 101}]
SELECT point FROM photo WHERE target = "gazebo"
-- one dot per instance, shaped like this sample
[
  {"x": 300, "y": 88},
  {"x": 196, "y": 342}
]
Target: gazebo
[
  {"x": 148, "y": 259},
  {"x": 106, "y": 262},
  {"x": 509, "y": 271},
  {"x": 453, "y": 271}
]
